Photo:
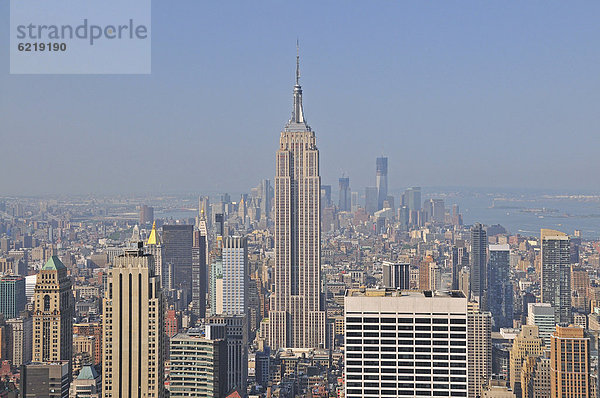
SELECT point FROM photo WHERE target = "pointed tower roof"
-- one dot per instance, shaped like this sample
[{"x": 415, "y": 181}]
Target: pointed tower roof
[
  {"x": 87, "y": 372},
  {"x": 297, "y": 122},
  {"x": 153, "y": 239},
  {"x": 53, "y": 264}
]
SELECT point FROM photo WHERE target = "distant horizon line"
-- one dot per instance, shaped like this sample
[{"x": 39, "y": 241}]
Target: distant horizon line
[{"x": 426, "y": 189}]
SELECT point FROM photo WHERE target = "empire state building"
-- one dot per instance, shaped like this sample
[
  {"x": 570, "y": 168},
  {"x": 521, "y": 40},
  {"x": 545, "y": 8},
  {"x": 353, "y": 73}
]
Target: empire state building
[{"x": 297, "y": 316}]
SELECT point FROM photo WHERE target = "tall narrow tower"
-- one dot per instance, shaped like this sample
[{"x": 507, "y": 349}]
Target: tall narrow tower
[
  {"x": 556, "y": 273},
  {"x": 53, "y": 314},
  {"x": 344, "y": 201},
  {"x": 297, "y": 316},
  {"x": 134, "y": 328},
  {"x": 199, "y": 267},
  {"x": 154, "y": 247},
  {"x": 382, "y": 181},
  {"x": 478, "y": 265},
  {"x": 500, "y": 288}
]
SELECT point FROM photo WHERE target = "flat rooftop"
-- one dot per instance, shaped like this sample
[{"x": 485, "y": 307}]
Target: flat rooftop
[{"x": 389, "y": 292}]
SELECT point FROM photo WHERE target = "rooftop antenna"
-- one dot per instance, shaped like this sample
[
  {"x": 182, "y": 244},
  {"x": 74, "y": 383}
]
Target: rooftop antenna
[{"x": 297, "y": 62}]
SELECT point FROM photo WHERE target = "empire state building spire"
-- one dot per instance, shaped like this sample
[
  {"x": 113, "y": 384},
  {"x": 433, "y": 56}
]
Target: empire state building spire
[
  {"x": 297, "y": 121},
  {"x": 297, "y": 64}
]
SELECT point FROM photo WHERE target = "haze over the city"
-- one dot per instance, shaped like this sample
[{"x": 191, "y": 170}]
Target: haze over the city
[{"x": 455, "y": 94}]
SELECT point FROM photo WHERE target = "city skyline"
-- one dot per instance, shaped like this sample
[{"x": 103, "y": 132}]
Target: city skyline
[
  {"x": 437, "y": 81},
  {"x": 155, "y": 240}
]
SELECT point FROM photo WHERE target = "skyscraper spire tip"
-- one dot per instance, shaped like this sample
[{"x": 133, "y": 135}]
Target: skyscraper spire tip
[
  {"x": 297, "y": 118},
  {"x": 297, "y": 62}
]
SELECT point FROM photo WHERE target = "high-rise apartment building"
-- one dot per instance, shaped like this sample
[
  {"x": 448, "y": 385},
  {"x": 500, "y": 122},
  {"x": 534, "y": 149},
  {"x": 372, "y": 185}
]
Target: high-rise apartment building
[
  {"x": 556, "y": 273},
  {"x": 134, "y": 328},
  {"x": 20, "y": 339},
  {"x": 478, "y": 264},
  {"x": 569, "y": 363},
  {"x": 435, "y": 277},
  {"x": 456, "y": 266},
  {"x": 396, "y": 275},
  {"x": 371, "y": 200},
  {"x": 405, "y": 343},
  {"x": 354, "y": 204},
  {"x": 235, "y": 275},
  {"x": 460, "y": 259},
  {"x": 542, "y": 316},
  {"x": 580, "y": 283},
  {"x": 146, "y": 214},
  {"x": 177, "y": 248},
  {"x": 412, "y": 199},
  {"x": 199, "y": 268},
  {"x": 535, "y": 377},
  {"x": 435, "y": 210},
  {"x": 297, "y": 316},
  {"x": 526, "y": 299},
  {"x": 198, "y": 367},
  {"x": 325, "y": 196},
  {"x": 234, "y": 330},
  {"x": 424, "y": 274},
  {"x": 220, "y": 224},
  {"x": 527, "y": 343},
  {"x": 265, "y": 199},
  {"x": 53, "y": 314},
  {"x": 344, "y": 201},
  {"x": 479, "y": 351},
  {"x": 500, "y": 288},
  {"x": 215, "y": 284},
  {"x": 439, "y": 210},
  {"x": 381, "y": 164},
  {"x": 172, "y": 323},
  {"x": 12, "y": 295}
]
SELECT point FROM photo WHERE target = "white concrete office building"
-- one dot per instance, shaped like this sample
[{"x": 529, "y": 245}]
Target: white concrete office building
[
  {"x": 405, "y": 344},
  {"x": 542, "y": 315}
]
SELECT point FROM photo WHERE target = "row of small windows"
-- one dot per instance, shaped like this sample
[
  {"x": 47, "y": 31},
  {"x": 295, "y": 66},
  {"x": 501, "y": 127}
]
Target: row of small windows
[
  {"x": 386, "y": 378},
  {"x": 404, "y": 393},
  {"x": 410, "y": 364},
  {"x": 407, "y": 335},
  {"x": 453, "y": 321},
  {"x": 453, "y": 350},
  {"x": 409, "y": 356},
  {"x": 407, "y": 328},
  {"x": 407, "y": 385},
  {"x": 352, "y": 374},
  {"x": 459, "y": 343}
]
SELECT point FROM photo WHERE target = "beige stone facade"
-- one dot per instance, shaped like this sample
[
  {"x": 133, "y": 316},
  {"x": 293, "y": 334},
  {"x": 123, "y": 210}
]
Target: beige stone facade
[{"x": 133, "y": 335}]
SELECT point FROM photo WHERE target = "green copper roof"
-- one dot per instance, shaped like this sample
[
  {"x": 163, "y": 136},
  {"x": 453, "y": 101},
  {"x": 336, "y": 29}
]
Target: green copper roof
[
  {"x": 53, "y": 263},
  {"x": 87, "y": 373}
]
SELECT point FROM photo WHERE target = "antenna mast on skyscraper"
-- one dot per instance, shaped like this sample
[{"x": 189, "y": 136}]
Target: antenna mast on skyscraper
[{"x": 297, "y": 62}]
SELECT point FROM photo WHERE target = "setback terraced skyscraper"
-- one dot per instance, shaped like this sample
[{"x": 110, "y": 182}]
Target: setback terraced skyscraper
[{"x": 297, "y": 318}]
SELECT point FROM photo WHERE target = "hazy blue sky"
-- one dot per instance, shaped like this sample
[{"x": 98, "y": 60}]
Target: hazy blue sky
[{"x": 502, "y": 94}]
